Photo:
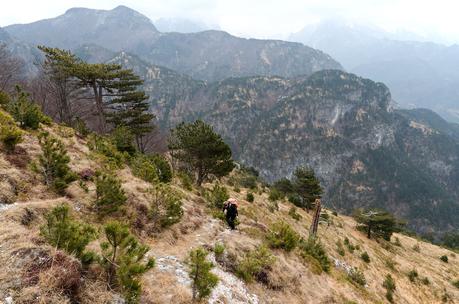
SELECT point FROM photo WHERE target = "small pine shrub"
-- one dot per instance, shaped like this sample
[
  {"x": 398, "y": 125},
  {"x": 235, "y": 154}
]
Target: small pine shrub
[
  {"x": 390, "y": 263},
  {"x": 335, "y": 213},
  {"x": 27, "y": 114},
  {"x": 281, "y": 235},
  {"x": 294, "y": 199},
  {"x": 250, "y": 197},
  {"x": 5, "y": 99},
  {"x": 397, "y": 242},
  {"x": 416, "y": 248},
  {"x": 163, "y": 168},
  {"x": 104, "y": 147},
  {"x": 313, "y": 248},
  {"x": 274, "y": 195},
  {"x": 219, "y": 249},
  {"x": 54, "y": 163},
  {"x": 62, "y": 232},
  {"x": 456, "y": 283},
  {"x": 80, "y": 127},
  {"x": 202, "y": 280},
  {"x": 413, "y": 275},
  {"x": 123, "y": 260},
  {"x": 186, "y": 180},
  {"x": 10, "y": 134},
  {"x": 143, "y": 168},
  {"x": 123, "y": 139},
  {"x": 349, "y": 245},
  {"x": 217, "y": 196},
  {"x": 249, "y": 182},
  {"x": 444, "y": 258},
  {"x": 365, "y": 257},
  {"x": 295, "y": 215},
  {"x": 273, "y": 206},
  {"x": 357, "y": 276},
  {"x": 389, "y": 285},
  {"x": 425, "y": 281},
  {"x": 237, "y": 189},
  {"x": 165, "y": 206},
  {"x": 109, "y": 194},
  {"x": 255, "y": 264},
  {"x": 340, "y": 248}
]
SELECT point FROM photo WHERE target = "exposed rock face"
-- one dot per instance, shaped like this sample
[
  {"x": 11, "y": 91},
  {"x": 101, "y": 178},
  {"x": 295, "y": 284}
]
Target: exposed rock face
[{"x": 366, "y": 153}]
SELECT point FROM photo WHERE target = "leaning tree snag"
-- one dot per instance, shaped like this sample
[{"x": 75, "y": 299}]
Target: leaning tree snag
[{"x": 316, "y": 218}]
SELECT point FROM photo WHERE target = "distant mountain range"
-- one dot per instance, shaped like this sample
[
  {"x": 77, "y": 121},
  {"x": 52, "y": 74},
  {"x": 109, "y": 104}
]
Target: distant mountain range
[
  {"x": 209, "y": 55},
  {"x": 419, "y": 74},
  {"x": 182, "y": 25}
]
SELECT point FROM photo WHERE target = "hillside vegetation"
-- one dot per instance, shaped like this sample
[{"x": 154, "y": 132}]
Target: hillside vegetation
[{"x": 266, "y": 260}]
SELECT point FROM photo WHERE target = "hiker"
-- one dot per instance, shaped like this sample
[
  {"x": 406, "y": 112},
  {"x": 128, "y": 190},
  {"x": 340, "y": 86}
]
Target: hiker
[{"x": 230, "y": 206}]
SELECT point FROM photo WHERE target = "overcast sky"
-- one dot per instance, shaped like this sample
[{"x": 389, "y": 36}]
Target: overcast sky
[{"x": 265, "y": 18}]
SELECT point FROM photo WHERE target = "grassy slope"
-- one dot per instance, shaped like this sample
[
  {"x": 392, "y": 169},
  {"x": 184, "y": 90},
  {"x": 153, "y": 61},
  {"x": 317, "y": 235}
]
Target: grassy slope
[{"x": 20, "y": 245}]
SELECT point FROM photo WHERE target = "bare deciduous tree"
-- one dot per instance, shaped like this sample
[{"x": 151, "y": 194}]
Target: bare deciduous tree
[{"x": 10, "y": 69}]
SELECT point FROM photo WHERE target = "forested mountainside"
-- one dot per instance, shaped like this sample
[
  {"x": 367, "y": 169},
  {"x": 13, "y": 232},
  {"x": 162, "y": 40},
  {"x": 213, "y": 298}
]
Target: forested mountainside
[
  {"x": 418, "y": 73},
  {"x": 365, "y": 152},
  {"x": 266, "y": 260},
  {"x": 209, "y": 55}
]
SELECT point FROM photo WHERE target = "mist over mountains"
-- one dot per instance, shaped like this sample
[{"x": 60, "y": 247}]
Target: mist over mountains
[
  {"x": 419, "y": 74},
  {"x": 284, "y": 104}
]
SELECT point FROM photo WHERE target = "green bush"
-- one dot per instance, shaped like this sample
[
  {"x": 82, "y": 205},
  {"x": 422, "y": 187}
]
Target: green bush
[
  {"x": 340, "y": 248},
  {"x": 62, "y": 232},
  {"x": 273, "y": 206},
  {"x": 163, "y": 168},
  {"x": 312, "y": 247},
  {"x": 294, "y": 199},
  {"x": 5, "y": 99},
  {"x": 413, "y": 275},
  {"x": 123, "y": 139},
  {"x": 54, "y": 163},
  {"x": 416, "y": 248},
  {"x": 250, "y": 197},
  {"x": 274, "y": 195},
  {"x": 203, "y": 281},
  {"x": 389, "y": 285},
  {"x": 349, "y": 245},
  {"x": 105, "y": 147},
  {"x": 109, "y": 194},
  {"x": 456, "y": 283},
  {"x": 365, "y": 257},
  {"x": 219, "y": 249},
  {"x": 10, "y": 134},
  {"x": 425, "y": 281},
  {"x": 249, "y": 182},
  {"x": 80, "y": 127},
  {"x": 254, "y": 264},
  {"x": 397, "y": 242},
  {"x": 217, "y": 196},
  {"x": 123, "y": 260},
  {"x": 295, "y": 215},
  {"x": 143, "y": 168},
  {"x": 444, "y": 258},
  {"x": 357, "y": 276},
  {"x": 186, "y": 180},
  {"x": 165, "y": 206},
  {"x": 281, "y": 235},
  {"x": 27, "y": 114}
]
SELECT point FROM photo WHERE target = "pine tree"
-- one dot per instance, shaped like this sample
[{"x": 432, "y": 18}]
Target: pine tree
[
  {"x": 203, "y": 281},
  {"x": 201, "y": 149},
  {"x": 122, "y": 257},
  {"x": 377, "y": 222},
  {"x": 10, "y": 134},
  {"x": 54, "y": 163},
  {"x": 109, "y": 194},
  {"x": 307, "y": 186},
  {"x": 61, "y": 231}
]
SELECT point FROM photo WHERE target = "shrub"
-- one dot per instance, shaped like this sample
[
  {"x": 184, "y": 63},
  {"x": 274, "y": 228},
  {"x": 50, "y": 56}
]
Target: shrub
[
  {"x": 295, "y": 215},
  {"x": 186, "y": 180},
  {"x": 255, "y": 264},
  {"x": 62, "y": 232},
  {"x": 274, "y": 194},
  {"x": 80, "y": 127},
  {"x": 413, "y": 275},
  {"x": 123, "y": 139},
  {"x": 54, "y": 163},
  {"x": 416, "y": 248},
  {"x": 273, "y": 206},
  {"x": 143, "y": 168},
  {"x": 357, "y": 276},
  {"x": 389, "y": 285},
  {"x": 444, "y": 258},
  {"x": 390, "y": 263},
  {"x": 165, "y": 206},
  {"x": 163, "y": 168},
  {"x": 219, "y": 249},
  {"x": 294, "y": 199},
  {"x": 456, "y": 283},
  {"x": 335, "y": 213},
  {"x": 123, "y": 259},
  {"x": 105, "y": 147},
  {"x": 217, "y": 196},
  {"x": 25, "y": 112},
  {"x": 237, "y": 189},
  {"x": 349, "y": 245},
  {"x": 10, "y": 134},
  {"x": 109, "y": 194},
  {"x": 340, "y": 248},
  {"x": 397, "y": 242},
  {"x": 313, "y": 248},
  {"x": 203, "y": 281},
  {"x": 250, "y": 197},
  {"x": 281, "y": 235},
  {"x": 249, "y": 182},
  {"x": 5, "y": 99},
  {"x": 365, "y": 257},
  {"x": 425, "y": 281}
]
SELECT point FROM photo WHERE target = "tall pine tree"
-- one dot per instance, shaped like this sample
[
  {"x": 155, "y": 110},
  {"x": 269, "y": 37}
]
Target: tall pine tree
[{"x": 307, "y": 186}]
